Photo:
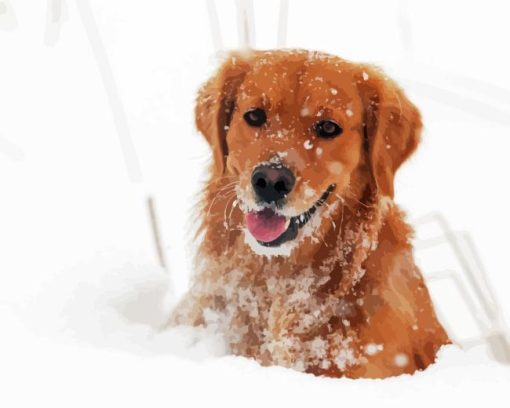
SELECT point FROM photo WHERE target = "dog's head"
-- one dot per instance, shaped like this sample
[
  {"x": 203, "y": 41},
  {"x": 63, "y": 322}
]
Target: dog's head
[{"x": 299, "y": 131}]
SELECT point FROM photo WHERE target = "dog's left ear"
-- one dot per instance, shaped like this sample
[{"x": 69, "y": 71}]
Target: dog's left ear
[
  {"x": 215, "y": 105},
  {"x": 392, "y": 126}
]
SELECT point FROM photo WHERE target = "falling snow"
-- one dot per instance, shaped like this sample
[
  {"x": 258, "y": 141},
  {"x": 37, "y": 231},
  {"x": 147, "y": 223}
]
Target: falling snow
[
  {"x": 113, "y": 306},
  {"x": 401, "y": 360}
]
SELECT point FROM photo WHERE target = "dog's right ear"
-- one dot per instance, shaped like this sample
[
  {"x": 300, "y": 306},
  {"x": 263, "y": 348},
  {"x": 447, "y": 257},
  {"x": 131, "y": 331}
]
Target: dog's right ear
[
  {"x": 392, "y": 126},
  {"x": 215, "y": 105}
]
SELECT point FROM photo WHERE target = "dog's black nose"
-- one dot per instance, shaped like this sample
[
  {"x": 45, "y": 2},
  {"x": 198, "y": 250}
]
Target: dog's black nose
[{"x": 272, "y": 183}]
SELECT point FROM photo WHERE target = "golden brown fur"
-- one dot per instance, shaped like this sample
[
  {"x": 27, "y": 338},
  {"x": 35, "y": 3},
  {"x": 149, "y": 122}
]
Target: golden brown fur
[{"x": 347, "y": 299}]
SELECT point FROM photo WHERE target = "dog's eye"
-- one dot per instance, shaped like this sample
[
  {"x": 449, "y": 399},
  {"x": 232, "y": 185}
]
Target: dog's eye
[
  {"x": 328, "y": 129},
  {"x": 255, "y": 117}
]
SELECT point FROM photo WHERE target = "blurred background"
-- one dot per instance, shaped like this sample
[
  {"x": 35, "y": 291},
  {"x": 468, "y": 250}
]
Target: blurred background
[{"x": 69, "y": 211}]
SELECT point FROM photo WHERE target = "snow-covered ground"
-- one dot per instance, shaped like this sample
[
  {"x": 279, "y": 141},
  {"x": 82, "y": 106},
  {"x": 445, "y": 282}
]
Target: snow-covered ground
[{"x": 82, "y": 299}]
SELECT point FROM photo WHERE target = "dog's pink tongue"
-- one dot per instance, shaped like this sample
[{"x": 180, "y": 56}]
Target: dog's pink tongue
[{"x": 265, "y": 225}]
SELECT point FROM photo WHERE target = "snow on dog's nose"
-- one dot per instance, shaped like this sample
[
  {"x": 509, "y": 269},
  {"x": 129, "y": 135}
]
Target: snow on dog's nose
[{"x": 272, "y": 183}]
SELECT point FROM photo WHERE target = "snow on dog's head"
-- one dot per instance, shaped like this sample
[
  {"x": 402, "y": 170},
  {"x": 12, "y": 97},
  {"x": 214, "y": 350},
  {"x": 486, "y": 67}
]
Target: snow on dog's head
[{"x": 293, "y": 132}]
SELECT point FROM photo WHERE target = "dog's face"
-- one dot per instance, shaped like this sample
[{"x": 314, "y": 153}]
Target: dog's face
[{"x": 300, "y": 132}]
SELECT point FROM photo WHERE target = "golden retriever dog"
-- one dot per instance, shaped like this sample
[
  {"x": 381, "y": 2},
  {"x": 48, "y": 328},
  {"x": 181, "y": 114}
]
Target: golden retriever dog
[{"x": 305, "y": 261}]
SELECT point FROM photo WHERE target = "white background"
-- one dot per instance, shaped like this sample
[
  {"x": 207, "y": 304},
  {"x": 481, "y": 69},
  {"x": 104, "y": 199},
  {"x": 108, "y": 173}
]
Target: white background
[{"x": 80, "y": 291}]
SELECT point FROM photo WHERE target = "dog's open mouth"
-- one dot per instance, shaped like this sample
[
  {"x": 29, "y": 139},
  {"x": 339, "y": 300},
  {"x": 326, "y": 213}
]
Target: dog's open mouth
[{"x": 272, "y": 229}]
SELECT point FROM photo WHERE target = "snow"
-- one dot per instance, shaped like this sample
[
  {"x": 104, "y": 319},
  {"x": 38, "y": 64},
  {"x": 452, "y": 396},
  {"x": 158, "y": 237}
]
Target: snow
[
  {"x": 82, "y": 302},
  {"x": 372, "y": 349},
  {"x": 401, "y": 359},
  {"x": 111, "y": 352},
  {"x": 305, "y": 111}
]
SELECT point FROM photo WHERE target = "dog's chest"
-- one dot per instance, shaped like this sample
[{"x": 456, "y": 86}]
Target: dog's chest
[{"x": 278, "y": 313}]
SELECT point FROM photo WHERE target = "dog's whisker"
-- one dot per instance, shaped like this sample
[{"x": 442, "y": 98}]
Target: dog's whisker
[
  {"x": 219, "y": 180},
  {"x": 347, "y": 204},
  {"x": 236, "y": 229},
  {"x": 235, "y": 204},
  {"x": 220, "y": 194},
  {"x": 230, "y": 201},
  {"x": 223, "y": 189},
  {"x": 226, "y": 192},
  {"x": 328, "y": 215},
  {"x": 226, "y": 224},
  {"x": 317, "y": 234},
  {"x": 342, "y": 201},
  {"x": 353, "y": 196},
  {"x": 227, "y": 186}
]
